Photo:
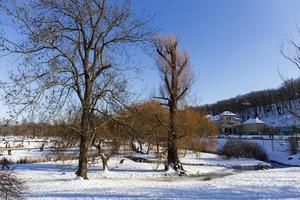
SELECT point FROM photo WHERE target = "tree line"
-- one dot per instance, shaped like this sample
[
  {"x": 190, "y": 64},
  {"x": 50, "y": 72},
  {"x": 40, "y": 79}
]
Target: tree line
[{"x": 139, "y": 128}]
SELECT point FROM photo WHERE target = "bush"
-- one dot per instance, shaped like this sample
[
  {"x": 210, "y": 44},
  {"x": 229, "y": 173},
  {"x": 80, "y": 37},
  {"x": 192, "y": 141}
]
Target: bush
[
  {"x": 11, "y": 187},
  {"x": 4, "y": 161},
  {"x": 294, "y": 146},
  {"x": 207, "y": 178},
  {"x": 239, "y": 148}
]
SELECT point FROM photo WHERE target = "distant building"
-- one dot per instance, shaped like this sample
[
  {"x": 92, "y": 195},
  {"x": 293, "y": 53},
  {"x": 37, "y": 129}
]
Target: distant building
[
  {"x": 253, "y": 126},
  {"x": 227, "y": 122}
]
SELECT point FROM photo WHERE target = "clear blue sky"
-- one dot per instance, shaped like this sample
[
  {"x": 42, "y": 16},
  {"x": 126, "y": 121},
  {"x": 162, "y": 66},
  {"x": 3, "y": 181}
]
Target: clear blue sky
[{"x": 234, "y": 45}]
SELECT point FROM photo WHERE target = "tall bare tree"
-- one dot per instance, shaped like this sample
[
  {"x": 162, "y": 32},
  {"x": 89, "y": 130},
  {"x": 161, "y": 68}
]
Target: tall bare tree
[
  {"x": 73, "y": 51},
  {"x": 174, "y": 68}
]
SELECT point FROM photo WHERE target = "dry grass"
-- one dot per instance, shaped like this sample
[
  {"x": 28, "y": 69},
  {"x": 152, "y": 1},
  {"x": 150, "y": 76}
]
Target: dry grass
[
  {"x": 64, "y": 157},
  {"x": 33, "y": 160},
  {"x": 30, "y": 160}
]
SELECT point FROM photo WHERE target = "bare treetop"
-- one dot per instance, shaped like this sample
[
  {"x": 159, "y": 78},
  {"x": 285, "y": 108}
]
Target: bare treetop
[
  {"x": 171, "y": 60},
  {"x": 68, "y": 45}
]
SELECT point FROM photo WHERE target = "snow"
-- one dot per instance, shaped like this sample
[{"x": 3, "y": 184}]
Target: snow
[
  {"x": 253, "y": 121},
  {"x": 276, "y": 115},
  {"x": 215, "y": 160},
  {"x": 227, "y": 113},
  {"x": 276, "y": 149},
  {"x": 53, "y": 181},
  {"x": 217, "y": 117},
  {"x": 209, "y": 176},
  {"x": 213, "y": 118},
  {"x": 284, "y": 120}
]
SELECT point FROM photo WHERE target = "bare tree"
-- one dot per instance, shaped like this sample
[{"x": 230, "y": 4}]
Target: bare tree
[
  {"x": 72, "y": 51},
  {"x": 176, "y": 75},
  {"x": 290, "y": 51},
  {"x": 107, "y": 140}
]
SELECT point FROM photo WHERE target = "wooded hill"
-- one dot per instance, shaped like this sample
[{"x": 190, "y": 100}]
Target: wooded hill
[{"x": 264, "y": 103}]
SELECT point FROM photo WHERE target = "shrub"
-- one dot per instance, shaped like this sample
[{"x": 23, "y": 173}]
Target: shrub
[
  {"x": 239, "y": 148},
  {"x": 294, "y": 146},
  {"x": 11, "y": 187},
  {"x": 5, "y": 161},
  {"x": 207, "y": 178}
]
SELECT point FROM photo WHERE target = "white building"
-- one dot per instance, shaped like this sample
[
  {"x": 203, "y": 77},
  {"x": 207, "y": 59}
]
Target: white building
[{"x": 227, "y": 122}]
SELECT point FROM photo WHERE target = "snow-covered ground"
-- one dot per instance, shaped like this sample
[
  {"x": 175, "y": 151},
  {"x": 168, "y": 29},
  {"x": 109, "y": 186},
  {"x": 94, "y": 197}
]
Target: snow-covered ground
[
  {"x": 207, "y": 159},
  {"x": 132, "y": 180},
  {"x": 209, "y": 176}
]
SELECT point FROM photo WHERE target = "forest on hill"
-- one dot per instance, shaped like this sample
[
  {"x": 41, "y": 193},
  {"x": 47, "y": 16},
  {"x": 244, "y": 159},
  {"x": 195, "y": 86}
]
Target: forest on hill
[{"x": 264, "y": 103}]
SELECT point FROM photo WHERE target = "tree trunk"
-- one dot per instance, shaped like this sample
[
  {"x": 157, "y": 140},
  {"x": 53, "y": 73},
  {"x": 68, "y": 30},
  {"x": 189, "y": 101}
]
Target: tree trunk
[
  {"x": 141, "y": 146},
  {"x": 84, "y": 145},
  {"x": 157, "y": 148},
  {"x": 133, "y": 147},
  {"x": 173, "y": 160},
  {"x": 83, "y": 154},
  {"x": 148, "y": 148},
  {"x": 104, "y": 164},
  {"x": 184, "y": 152}
]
